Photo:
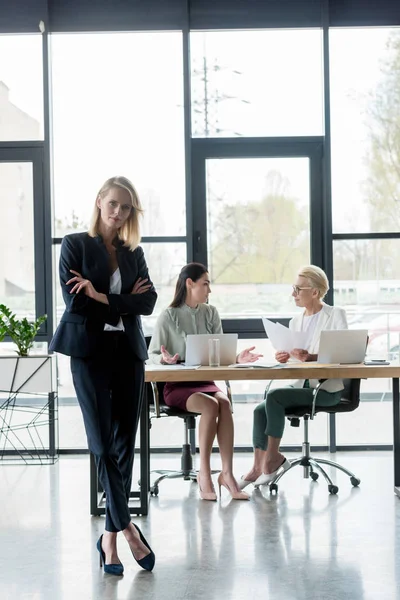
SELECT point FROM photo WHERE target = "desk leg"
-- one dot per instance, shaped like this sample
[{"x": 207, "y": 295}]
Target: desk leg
[
  {"x": 144, "y": 458},
  {"x": 52, "y": 424},
  {"x": 396, "y": 435}
]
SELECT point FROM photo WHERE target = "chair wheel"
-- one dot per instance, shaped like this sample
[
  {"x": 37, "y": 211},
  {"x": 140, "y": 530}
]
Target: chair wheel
[
  {"x": 333, "y": 489},
  {"x": 273, "y": 488},
  {"x": 314, "y": 476},
  {"x": 154, "y": 490},
  {"x": 355, "y": 481}
]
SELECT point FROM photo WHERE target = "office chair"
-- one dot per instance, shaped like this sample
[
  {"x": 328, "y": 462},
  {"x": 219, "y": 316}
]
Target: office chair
[
  {"x": 350, "y": 400},
  {"x": 159, "y": 409}
]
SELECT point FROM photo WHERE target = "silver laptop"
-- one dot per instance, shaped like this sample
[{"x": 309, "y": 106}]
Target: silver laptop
[
  {"x": 197, "y": 348},
  {"x": 343, "y": 346}
]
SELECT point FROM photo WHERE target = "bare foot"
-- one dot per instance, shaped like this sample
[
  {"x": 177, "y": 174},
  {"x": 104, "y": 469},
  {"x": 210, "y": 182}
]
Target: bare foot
[
  {"x": 230, "y": 481},
  {"x": 138, "y": 549},
  {"x": 109, "y": 547},
  {"x": 272, "y": 464},
  {"x": 252, "y": 475}
]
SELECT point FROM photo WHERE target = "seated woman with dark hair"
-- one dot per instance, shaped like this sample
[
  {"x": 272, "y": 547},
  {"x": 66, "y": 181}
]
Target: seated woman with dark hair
[{"x": 189, "y": 313}]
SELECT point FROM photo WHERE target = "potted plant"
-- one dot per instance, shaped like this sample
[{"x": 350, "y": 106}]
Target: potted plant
[
  {"x": 21, "y": 331},
  {"x": 26, "y": 375}
]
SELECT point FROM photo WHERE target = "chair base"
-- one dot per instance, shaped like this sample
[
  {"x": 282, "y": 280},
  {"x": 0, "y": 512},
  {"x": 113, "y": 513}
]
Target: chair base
[
  {"x": 311, "y": 468},
  {"x": 187, "y": 472},
  {"x": 166, "y": 474}
]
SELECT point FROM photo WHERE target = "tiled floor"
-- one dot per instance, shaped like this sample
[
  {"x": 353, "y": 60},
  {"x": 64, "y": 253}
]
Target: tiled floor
[{"x": 301, "y": 544}]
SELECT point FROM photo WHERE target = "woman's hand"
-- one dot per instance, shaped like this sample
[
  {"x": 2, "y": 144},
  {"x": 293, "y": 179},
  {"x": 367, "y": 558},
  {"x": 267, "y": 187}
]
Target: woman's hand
[
  {"x": 82, "y": 284},
  {"x": 247, "y": 356},
  {"x": 166, "y": 358},
  {"x": 282, "y": 357},
  {"x": 141, "y": 286},
  {"x": 302, "y": 355}
]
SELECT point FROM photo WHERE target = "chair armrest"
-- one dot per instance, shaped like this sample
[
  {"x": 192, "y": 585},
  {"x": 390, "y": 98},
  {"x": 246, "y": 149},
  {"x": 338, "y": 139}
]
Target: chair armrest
[
  {"x": 229, "y": 393},
  {"x": 156, "y": 398},
  {"x": 315, "y": 394}
]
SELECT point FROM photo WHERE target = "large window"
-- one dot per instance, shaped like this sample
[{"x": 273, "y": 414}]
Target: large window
[
  {"x": 365, "y": 83},
  {"x": 258, "y": 230},
  {"x": 21, "y": 87},
  {"x": 17, "y": 256},
  {"x": 257, "y": 83},
  {"x": 118, "y": 110}
]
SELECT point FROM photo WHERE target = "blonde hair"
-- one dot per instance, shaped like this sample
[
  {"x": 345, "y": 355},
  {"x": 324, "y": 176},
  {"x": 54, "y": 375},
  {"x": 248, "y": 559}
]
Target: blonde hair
[
  {"x": 129, "y": 232},
  {"x": 317, "y": 278}
]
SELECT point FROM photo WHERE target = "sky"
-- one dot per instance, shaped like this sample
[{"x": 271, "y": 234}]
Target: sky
[{"x": 118, "y": 108}]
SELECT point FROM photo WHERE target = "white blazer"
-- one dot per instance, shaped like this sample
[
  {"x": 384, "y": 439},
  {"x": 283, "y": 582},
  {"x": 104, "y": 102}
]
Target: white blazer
[{"x": 330, "y": 317}]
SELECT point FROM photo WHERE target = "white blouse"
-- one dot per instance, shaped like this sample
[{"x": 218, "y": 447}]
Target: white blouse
[{"x": 115, "y": 288}]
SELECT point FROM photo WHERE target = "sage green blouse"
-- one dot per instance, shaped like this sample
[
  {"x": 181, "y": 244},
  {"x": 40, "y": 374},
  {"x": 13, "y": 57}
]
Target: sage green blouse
[{"x": 174, "y": 324}]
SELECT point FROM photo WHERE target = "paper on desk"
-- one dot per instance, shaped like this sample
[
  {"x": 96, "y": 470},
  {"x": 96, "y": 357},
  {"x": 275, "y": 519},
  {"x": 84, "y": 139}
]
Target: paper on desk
[
  {"x": 284, "y": 339},
  {"x": 258, "y": 364},
  {"x": 176, "y": 367}
]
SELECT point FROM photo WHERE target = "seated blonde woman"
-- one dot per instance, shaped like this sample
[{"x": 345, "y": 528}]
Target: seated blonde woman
[
  {"x": 310, "y": 288},
  {"x": 189, "y": 313}
]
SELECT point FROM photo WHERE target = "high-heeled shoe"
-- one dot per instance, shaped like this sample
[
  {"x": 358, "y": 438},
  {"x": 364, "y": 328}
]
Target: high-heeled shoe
[
  {"x": 112, "y": 569},
  {"x": 242, "y": 483},
  {"x": 266, "y": 478},
  {"x": 148, "y": 561},
  {"x": 235, "y": 494},
  {"x": 206, "y": 495}
]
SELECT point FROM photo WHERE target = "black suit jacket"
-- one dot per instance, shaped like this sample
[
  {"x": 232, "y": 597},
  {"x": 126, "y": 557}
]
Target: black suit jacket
[{"x": 83, "y": 320}]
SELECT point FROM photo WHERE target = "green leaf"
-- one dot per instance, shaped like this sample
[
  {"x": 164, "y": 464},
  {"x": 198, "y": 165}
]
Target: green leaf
[{"x": 22, "y": 332}]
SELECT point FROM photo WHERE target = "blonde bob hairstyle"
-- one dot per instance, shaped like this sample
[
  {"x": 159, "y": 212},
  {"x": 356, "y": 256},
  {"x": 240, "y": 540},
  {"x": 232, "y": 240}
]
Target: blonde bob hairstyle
[
  {"x": 129, "y": 232},
  {"x": 317, "y": 279}
]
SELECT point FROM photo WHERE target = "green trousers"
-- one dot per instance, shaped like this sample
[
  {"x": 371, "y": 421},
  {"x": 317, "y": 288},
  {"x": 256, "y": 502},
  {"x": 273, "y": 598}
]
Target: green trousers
[{"x": 269, "y": 416}]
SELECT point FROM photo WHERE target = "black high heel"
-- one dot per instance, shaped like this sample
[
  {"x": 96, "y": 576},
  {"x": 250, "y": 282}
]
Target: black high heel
[
  {"x": 148, "y": 561},
  {"x": 116, "y": 569}
]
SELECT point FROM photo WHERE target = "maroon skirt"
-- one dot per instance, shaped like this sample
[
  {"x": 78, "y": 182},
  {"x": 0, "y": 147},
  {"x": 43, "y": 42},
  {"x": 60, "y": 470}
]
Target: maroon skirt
[{"x": 176, "y": 394}]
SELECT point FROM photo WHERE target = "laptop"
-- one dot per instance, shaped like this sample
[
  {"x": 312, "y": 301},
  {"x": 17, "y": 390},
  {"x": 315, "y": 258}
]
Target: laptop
[
  {"x": 197, "y": 348},
  {"x": 342, "y": 346}
]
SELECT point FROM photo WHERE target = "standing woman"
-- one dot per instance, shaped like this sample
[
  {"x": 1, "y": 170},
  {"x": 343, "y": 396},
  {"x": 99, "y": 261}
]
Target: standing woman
[{"x": 106, "y": 287}]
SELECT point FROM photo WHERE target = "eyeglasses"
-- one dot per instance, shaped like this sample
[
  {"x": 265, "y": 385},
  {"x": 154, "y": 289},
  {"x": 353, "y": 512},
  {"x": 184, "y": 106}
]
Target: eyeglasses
[{"x": 297, "y": 289}]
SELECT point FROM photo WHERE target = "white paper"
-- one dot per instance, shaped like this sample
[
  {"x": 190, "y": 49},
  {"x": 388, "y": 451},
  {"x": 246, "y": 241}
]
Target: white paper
[
  {"x": 179, "y": 367},
  {"x": 284, "y": 339},
  {"x": 258, "y": 364}
]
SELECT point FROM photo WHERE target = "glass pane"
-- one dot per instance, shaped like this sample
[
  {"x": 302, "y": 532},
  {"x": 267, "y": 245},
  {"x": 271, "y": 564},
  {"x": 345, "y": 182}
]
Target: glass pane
[
  {"x": 257, "y": 83},
  {"x": 21, "y": 87},
  {"x": 118, "y": 110},
  {"x": 165, "y": 262},
  {"x": 365, "y": 129},
  {"x": 17, "y": 256},
  {"x": 258, "y": 232},
  {"x": 367, "y": 284},
  {"x": 372, "y": 421}
]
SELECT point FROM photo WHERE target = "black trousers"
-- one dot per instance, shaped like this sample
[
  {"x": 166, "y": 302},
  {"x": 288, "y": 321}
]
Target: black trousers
[{"x": 109, "y": 387}]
